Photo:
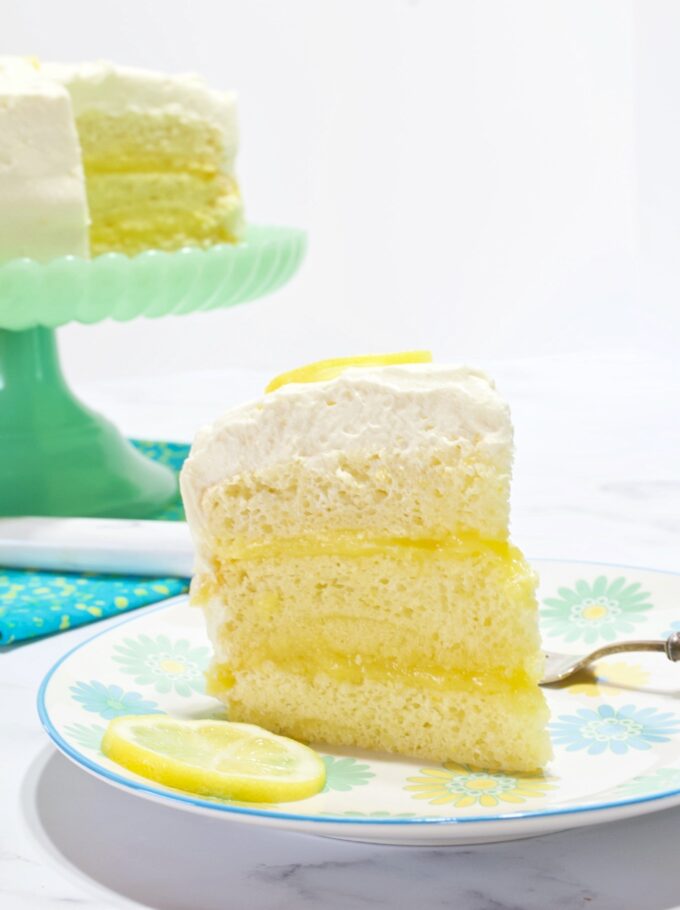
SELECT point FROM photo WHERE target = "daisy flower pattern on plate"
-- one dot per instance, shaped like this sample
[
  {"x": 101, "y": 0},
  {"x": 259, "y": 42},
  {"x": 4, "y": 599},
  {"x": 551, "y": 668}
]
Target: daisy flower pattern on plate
[
  {"x": 613, "y": 680},
  {"x": 464, "y": 786},
  {"x": 602, "y": 610},
  {"x": 166, "y": 665},
  {"x": 345, "y": 773},
  {"x": 87, "y": 736},
  {"x": 607, "y": 729},
  {"x": 111, "y": 701}
]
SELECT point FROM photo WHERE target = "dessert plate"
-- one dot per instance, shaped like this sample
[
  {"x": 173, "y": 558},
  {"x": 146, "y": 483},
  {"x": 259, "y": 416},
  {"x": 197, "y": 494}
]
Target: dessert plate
[{"x": 616, "y": 735}]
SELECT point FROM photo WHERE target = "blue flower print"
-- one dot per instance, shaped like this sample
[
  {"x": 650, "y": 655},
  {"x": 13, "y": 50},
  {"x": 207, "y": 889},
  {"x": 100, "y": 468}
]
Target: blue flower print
[
  {"x": 111, "y": 701},
  {"x": 615, "y": 730}
]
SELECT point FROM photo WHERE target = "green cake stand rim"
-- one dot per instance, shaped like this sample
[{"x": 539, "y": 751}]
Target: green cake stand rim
[
  {"x": 59, "y": 457},
  {"x": 154, "y": 283}
]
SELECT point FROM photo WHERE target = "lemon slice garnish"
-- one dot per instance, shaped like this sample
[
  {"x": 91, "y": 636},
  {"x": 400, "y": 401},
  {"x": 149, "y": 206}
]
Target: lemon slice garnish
[
  {"x": 329, "y": 369},
  {"x": 215, "y": 758}
]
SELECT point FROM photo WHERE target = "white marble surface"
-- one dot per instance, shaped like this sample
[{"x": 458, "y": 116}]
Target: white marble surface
[{"x": 597, "y": 477}]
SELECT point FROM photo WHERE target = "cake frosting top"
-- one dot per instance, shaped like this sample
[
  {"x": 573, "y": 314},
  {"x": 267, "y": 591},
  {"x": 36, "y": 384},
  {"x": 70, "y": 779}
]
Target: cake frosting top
[
  {"x": 409, "y": 407},
  {"x": 108, "y": 88},
  {"x": 113, "y": 89}
]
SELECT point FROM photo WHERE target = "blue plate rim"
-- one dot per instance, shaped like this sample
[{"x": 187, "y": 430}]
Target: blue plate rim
[{"x": 185, "y": 800}]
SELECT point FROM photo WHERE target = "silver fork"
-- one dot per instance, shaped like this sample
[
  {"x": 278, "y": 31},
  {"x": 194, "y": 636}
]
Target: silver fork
[{"x": 560, "y": 667}]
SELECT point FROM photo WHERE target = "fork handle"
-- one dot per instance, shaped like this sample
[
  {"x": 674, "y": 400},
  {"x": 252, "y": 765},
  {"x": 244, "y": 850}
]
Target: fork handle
[{"x": 670, "y": 647}]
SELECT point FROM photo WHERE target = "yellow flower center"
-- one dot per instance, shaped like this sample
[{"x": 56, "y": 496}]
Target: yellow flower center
[
  {"x": 595, "y": 611},
  {"x": 481, "y": 783},
  {"x": 172, "y": 666}
]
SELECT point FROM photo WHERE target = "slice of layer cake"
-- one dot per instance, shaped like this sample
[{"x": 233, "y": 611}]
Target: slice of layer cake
[
  {"x": 355, "y": 570},
  {"x": 155, "y": 154},
  {"x": 158, "y": 153}
]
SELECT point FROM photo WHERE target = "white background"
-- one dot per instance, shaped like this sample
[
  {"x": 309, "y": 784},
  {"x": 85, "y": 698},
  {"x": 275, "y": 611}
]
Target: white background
[
  {"x": 489, "y": 179},
  {"x": 499, "y": 180}
]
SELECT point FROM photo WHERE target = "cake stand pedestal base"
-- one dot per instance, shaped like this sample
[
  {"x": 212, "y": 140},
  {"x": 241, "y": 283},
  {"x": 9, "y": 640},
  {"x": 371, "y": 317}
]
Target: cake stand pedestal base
[{"x": 58, "y": 457}]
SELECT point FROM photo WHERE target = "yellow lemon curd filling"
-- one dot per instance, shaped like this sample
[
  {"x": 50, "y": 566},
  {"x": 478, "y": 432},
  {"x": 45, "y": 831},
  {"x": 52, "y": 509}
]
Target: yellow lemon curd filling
[
  {"x": 296, "y": 653},
  {"x": 356, "y": 544},
  {"x": 355, "y": 669}
]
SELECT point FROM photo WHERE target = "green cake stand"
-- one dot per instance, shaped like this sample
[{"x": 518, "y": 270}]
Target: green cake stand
[{"x": 58, "y": 457}]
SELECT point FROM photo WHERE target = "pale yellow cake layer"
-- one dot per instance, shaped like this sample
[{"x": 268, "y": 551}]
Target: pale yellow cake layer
[
  {"x": 140, "y": 141},
  {"x": 458, "y": 487},
  {"x": 473, "y": 613},
  {"x": 133, "y": 212},
  {"x": 123, "y": 194},
  {"x": 495, "y": 731},
  {"x": 163, "y": 231},
  {"x": 157, "y": 181}
]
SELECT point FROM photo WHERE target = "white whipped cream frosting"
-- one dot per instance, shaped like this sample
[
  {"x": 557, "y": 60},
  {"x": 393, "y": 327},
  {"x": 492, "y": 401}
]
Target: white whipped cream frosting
[
  {"x": 42, "y": 188},
  {"x": 410, "y": 407},
  {"x": 103, "y": 87}
]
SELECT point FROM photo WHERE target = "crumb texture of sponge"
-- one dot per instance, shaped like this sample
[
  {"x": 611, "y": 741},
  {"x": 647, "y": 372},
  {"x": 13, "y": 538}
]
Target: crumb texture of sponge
[
  {"x": 410, "y": 652},
  {"x": 496, "y": 731},
  {"x": 156, "y": 182}
]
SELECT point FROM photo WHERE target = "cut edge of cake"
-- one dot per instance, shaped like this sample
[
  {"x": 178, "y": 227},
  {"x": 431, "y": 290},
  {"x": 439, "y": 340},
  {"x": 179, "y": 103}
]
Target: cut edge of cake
[{"x": 151, "y": 161}]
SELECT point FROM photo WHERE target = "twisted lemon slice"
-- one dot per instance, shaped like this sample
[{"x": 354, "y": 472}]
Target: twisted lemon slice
[
  {"x": 215, "y": 758},
  {"x": 329, "y": 369}
]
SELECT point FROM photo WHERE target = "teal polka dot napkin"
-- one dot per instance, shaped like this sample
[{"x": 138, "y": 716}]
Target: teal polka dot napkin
[{"x": 35, "y": 603}]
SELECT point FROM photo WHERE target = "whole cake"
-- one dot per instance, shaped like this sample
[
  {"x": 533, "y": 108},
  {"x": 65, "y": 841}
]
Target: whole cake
[
  {"x": 354, "y": 565},
  {"x": 98, "y": 158}
]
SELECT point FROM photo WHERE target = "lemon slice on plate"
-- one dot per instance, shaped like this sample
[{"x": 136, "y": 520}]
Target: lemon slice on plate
[
  {"x": 329, "y": 369},
  {"x": 215, "y": 758}
]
